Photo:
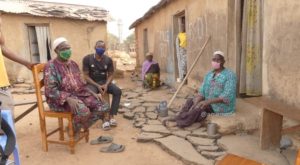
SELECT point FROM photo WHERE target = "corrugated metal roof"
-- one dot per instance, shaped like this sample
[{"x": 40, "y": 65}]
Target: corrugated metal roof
[
  {"x": 59, "y": 10},
  {"x": 150, "y": 12}
]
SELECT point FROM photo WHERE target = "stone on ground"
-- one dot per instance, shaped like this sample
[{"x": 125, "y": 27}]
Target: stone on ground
[
  {"x": 132, "y": 95},
  {"x": 139, "y": 124},
  {"x": 212, "y": 155},
  {"x": 151, "y": 109},
  {"x": 156, "y": 129},
  {"x": 200, "y": 141},
  {"x": 181, "y": 133},
  {"x": 205, "y": 135},
  {"x": 198, "y": 131},
  {"x": 123, "y": 110},
  {"x": 183, "y": 150},
  {"x": 128, "y": 115},
  {"x": 133, "y": 105},
  {"x": 147, "y": 137},
  {"x": 151, "y": 115},
  {"x": 137, "y": 101},
  {"x": 207, "y": 148},
  {"x": 148, "y": 104},
  {"x": 193, "y": 126},
  {"x": 154, "y": 122},
  {"x": 139, "y": 110}
]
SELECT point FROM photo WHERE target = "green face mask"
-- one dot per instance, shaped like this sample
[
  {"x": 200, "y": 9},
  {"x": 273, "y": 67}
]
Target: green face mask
[{"x": 66, "y": 54}]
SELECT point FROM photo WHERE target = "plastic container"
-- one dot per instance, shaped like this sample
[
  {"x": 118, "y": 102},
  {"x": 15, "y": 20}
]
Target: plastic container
[
  {"x": 212, "y": 129},
  {"x": 162, "y": 109}
]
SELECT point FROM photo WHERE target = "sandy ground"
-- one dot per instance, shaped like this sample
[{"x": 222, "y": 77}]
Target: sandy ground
[{"x": 29, "y": 142}]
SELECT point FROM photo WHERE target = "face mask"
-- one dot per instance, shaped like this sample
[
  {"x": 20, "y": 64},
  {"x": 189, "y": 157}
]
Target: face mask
[
  {"x": 215, "y": 65},
  {"x": 100, "y": 51},
  {"x": 66, "y": 54}
]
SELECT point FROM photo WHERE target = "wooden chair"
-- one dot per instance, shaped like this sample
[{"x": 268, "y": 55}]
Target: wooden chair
[
  {"x": 298, "y": 158},
  {"x": 43, "y": 113},
  {"x": 231, "y": 159}
]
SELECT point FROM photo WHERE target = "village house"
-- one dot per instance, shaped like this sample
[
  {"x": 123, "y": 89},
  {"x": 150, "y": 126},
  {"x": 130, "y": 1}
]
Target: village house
[
  {"x": 260, "y": 40},
  {"x": 30, "y": 27}
]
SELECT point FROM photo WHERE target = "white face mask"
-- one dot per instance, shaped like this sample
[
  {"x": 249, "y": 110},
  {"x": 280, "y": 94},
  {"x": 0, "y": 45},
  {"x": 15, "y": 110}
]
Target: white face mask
[{"x": 215, "y": 65}]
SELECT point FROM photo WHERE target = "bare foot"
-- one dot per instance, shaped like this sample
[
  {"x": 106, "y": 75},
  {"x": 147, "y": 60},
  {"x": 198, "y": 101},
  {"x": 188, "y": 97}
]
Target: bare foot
[{"x": 164, "y": 121}]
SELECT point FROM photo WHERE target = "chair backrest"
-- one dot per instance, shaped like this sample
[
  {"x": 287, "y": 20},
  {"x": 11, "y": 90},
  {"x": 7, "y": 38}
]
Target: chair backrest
[{"x": 39, "y": 83}]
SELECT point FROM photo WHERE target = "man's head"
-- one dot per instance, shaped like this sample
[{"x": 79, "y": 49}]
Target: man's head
[
  {"x": 62, "y": 48},
  {"x": 149, "y": 56},
  {"x": 218, "y": 60},
  {"x": 100, "y": 48}
]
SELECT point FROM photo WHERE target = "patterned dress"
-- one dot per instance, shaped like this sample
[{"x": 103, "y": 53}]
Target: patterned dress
[
  {"x": 182, "y": 59},
  {"x": 223, "y": 85},
  {"x": 63, "y": 80}
]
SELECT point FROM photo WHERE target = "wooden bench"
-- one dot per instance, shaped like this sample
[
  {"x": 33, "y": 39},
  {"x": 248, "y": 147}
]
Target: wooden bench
[{"x": 272, "y": 117}]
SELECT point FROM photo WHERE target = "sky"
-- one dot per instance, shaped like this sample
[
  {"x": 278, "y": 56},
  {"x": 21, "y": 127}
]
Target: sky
[{"x": 126, "y": 10}]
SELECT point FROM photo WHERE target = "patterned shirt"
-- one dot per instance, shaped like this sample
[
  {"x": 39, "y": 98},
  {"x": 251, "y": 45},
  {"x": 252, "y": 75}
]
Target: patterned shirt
[
  {"x": 223, "y": 85},
  {"x": 62, "y": 80}
]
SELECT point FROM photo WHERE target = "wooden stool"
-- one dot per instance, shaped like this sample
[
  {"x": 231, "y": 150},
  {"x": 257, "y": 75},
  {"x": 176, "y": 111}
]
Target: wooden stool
[{"x": 231, "y": 159}]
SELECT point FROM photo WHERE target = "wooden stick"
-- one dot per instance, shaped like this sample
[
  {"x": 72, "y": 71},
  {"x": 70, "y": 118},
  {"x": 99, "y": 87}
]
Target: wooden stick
[{"x": 189, "y": 72}]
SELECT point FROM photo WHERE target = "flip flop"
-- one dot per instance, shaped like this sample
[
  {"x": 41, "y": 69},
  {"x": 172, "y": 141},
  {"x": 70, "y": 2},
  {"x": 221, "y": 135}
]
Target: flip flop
[
  {"x": 113, "y": 148},
  {"x": 106, "y": 126},
  {"x": 113, "y": 122},
  {"x": 101, "y": 140}
]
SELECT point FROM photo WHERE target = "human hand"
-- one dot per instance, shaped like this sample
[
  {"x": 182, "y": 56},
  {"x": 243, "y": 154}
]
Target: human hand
[
  {"x": 104, "y": 88},
  {"x": 204, "y": 104},
  {"x": 100, "y": 89},
  {"x": 98, "y": 96},
  {"x": 30, "y": 65}
]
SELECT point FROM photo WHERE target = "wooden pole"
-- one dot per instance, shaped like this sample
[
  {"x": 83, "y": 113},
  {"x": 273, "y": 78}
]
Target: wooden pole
[{"x": 189, "y": 72}]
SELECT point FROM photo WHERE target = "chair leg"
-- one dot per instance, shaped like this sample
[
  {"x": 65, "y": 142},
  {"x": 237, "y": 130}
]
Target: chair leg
[
  {"x": 61, "y": 129},
  {"x": 44, "y": 135},
  {"x": 87, "y": 133},
  {"x": 72, "y": 140}
]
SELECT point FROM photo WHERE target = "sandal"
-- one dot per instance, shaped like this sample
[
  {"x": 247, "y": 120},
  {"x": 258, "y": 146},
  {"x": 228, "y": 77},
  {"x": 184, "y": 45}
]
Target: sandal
[
  {"x": 113, "y": 148},
  {"x": 106, "y": 126},
  {"x": 101, "y": 140},
  {"x": 113, "y": 122}
]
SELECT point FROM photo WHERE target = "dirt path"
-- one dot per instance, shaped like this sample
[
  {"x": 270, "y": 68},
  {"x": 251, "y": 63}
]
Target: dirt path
[{"x": 29, "y": 142}]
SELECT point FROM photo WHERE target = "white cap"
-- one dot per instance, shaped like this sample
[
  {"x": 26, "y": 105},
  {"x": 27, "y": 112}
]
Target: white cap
[
  {"x": 219, "y": 53},
  {"x": 58, "y": 41}
]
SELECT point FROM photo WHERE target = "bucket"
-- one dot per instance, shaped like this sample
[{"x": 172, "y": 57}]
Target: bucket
[
  {"x": 162, "y": 109},
  {"x": 212, "y": 129}
]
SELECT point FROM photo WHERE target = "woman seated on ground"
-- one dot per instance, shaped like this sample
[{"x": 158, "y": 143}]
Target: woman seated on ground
[
  {"x": 150, "y": 72},
  {"x": 216, "y": 95},
  {"x": 65, "y": 90}
]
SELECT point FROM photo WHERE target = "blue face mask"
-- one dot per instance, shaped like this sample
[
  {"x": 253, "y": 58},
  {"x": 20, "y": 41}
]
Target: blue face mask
[{"x": 100, "y": 51}]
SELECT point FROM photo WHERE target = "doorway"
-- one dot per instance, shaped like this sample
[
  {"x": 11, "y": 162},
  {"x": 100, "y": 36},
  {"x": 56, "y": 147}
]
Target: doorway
[
  {"x": 39, "y": 43},
  {"x": 179, "y": 25}
]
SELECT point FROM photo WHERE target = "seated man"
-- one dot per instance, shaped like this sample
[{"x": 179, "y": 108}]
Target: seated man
[
  {"x": 65, "y": 90},
  {"x": 216, "y": 95},
  {"x": 150, "y": 72},
  {"x": 98, "y": 71}
]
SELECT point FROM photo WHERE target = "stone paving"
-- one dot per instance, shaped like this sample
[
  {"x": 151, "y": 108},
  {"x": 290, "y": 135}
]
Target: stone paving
[{"x": 192, "y": 144}]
